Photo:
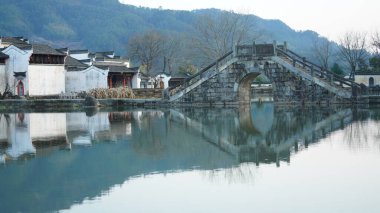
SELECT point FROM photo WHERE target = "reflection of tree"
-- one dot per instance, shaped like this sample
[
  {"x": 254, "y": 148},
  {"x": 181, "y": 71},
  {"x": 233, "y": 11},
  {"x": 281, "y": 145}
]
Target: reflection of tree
[
  {"x": 243, "y": 173},
  {"x": 361, "y": 133}
]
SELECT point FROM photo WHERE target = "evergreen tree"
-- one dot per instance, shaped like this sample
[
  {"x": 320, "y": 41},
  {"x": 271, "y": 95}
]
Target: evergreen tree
[{"x": 337, "y": 70}]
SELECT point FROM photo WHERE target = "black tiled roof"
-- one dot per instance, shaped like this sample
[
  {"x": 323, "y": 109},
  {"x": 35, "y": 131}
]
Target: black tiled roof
[
  {"x": 118, "y": 69},
  {"x": 3, "y": 56},
  {"x": 78, "y": 51},
  {"x": 18, "y": 42},
  {"x": 43, "y": 49},
  {"x": 63, "y": 50},
  {"x": 180, "y": 75},
  {"x": 73, "y": 64},
  {"x": 368, "y": 73}
]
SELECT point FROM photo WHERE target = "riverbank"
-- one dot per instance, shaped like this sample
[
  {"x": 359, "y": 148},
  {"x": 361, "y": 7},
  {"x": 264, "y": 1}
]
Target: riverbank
[{"x": 42, "y": 105}]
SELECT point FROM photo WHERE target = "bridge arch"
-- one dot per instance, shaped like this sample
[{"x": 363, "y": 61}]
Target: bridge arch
[{"x": 245, "y": 89}]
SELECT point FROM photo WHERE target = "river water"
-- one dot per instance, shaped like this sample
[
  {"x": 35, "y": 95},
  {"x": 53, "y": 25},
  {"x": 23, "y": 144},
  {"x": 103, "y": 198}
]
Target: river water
[{"x": 262, "y": 158}]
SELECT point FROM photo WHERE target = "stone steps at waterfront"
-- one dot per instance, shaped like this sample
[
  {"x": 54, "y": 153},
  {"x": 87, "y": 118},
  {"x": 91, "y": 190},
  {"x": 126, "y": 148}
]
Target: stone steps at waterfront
[{"x": 147, "y": 93}]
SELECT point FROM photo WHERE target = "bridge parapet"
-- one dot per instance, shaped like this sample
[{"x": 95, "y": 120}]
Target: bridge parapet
[{"x": 255, "y": 51}]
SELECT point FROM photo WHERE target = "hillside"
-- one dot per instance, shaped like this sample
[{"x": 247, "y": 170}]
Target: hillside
[{"x": 102, "y": 25}]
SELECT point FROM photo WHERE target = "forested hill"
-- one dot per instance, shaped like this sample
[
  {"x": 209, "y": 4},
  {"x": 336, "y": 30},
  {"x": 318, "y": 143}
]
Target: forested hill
[{"x": 101, "y": 25}]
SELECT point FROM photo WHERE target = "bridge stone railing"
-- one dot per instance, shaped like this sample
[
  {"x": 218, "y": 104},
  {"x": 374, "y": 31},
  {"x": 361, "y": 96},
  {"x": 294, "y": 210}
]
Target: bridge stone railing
[
  {"x": 204, "y": 73},
  {"x": 249, "y": 52}
]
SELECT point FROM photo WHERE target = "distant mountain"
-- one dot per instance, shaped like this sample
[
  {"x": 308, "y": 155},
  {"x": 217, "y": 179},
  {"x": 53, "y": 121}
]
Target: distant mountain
[{"x": 102, "y": 25}]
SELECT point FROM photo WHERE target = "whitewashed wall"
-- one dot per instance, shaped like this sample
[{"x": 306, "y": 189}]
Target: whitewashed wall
[
  {"x": 2, "y": 78},
  {"x": 86, "y": 80},
  {"x": 45, "y": 80},
  {"x": 47, "y": 125},
  {"x": 136, "y": 81},
  {"x": 364, "y": 79},
  {"x": 75, "y": 82}
]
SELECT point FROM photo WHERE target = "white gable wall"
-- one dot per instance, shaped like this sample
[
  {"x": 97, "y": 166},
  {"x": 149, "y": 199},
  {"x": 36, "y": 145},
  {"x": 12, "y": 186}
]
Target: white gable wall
[
  {"x": 86, "y": 80},
  {"x": 46, "y": 80},
  {"x": 18, "y": 61},
  {"x": 96, "y": 78}
]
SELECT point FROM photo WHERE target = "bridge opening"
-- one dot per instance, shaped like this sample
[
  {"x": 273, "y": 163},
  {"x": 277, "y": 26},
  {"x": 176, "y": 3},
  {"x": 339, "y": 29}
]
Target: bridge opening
[{"x": 255, "y": 87}]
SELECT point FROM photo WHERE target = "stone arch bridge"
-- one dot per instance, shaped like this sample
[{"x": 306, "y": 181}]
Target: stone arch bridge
[{"x": 294, "y": 79}]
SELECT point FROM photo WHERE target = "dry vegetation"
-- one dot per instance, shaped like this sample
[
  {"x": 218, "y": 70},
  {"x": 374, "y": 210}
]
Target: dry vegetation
[{"x": 119, "y": 92}]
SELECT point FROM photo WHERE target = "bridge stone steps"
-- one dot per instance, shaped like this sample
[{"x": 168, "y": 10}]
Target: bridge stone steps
[
  {"x": 204, "y": 77},
  {"x": 306, "y": 74}
]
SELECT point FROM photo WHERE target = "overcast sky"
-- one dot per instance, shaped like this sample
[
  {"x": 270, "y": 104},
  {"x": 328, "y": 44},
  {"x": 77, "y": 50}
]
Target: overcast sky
[{"x": 330, "y": 18}]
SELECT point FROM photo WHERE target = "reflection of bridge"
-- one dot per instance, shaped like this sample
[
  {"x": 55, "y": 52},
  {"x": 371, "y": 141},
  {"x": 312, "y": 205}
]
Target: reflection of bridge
[
  {"x": 268, "y": 137},
  {"x": 228, "y": 80}
]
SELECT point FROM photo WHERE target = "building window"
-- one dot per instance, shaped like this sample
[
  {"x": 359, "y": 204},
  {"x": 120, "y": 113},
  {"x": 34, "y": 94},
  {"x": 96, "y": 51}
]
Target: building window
[{"x": 371, "y": 82}]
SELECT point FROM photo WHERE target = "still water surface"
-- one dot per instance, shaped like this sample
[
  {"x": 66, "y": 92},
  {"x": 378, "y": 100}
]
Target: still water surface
[{"x": 262, "y": 158}]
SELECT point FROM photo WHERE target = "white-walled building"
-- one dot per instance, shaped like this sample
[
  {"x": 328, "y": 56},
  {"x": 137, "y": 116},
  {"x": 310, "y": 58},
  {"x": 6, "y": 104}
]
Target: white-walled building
[
  {"x": 32, "y": 70},
  {"x": 119, "y": 72},
  {"x": 82, "y": 78}
]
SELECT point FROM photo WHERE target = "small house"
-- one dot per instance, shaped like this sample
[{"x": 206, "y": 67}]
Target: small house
[
  {"x": 15, "y": 73},
  {"x": 368, "y": 78},
  {"x": 162, "y": 80}
]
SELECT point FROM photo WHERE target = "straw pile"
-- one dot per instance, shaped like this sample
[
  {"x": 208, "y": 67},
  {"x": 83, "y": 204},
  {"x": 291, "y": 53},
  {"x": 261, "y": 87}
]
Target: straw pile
[{"x": 119, "y": 92}]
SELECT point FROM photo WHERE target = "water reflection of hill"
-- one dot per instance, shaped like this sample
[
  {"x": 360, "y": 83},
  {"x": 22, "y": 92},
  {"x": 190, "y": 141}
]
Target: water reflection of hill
[{"x": 125, "y": 145}]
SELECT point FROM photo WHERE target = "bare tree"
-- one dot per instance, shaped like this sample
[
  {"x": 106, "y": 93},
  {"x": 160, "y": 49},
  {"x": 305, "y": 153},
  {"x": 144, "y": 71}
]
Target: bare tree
[
  {"x": 352, "y": 50},
  {"x": 151, "y": 48},
  {"x": 217, "y": 34},
  {"x": 7, "y": 92},
  {"x": 376, "y": 42},
  {"x": 146, "y": 48},
  {"x": 323, "y": 52}
]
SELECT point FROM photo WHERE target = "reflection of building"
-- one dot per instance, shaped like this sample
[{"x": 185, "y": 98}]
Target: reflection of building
[
  {"x": 83, "y": 130},
  {"x": 26, "y": 132},
  {"x": 103, "y": 126}
]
